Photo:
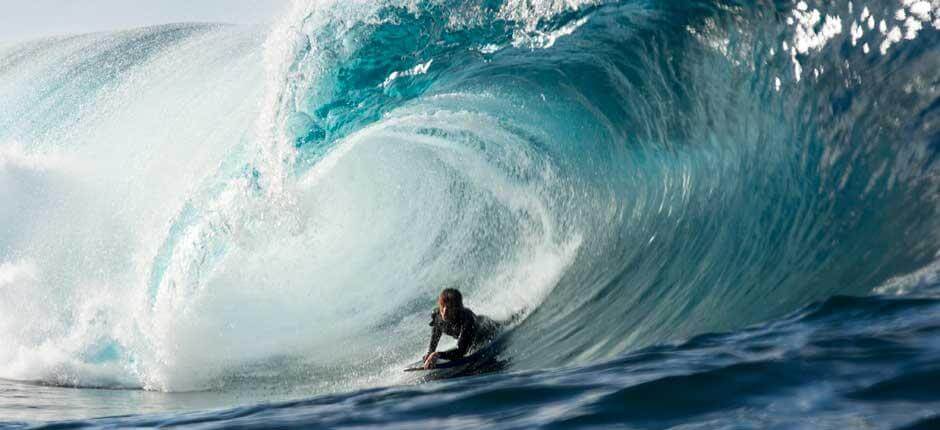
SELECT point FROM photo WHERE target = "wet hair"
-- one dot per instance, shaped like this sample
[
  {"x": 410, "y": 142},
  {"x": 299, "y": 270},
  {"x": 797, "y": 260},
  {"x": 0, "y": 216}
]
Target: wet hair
[{"x": 451, "y": 298}]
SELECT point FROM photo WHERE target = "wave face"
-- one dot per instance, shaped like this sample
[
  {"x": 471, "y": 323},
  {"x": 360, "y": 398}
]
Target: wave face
[{"x": 207, "y": 207}]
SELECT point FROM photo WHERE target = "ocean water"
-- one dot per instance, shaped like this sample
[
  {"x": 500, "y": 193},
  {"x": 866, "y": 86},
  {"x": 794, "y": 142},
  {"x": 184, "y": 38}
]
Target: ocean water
[{"x": 709, "y": 214}]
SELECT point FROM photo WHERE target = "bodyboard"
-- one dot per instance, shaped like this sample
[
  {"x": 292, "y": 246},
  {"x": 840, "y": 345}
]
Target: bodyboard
[{"x": 455, "y": 365}]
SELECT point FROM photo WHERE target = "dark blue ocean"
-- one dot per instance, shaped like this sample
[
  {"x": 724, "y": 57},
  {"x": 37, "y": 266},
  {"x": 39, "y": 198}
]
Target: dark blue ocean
[{"x": 700, "y": 215}]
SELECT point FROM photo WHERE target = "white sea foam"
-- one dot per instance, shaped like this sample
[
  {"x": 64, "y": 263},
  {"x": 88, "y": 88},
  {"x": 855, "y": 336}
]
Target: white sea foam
[
  {"x": 94, "y": 194},
  {"x": 419, "y": 69},
  {"x": 164, "y": 240},
  {"x": 812, "y": 32}
]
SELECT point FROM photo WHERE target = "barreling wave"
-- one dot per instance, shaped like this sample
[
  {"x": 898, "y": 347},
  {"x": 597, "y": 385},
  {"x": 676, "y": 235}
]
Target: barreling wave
[{"x": 198, "y": 206}]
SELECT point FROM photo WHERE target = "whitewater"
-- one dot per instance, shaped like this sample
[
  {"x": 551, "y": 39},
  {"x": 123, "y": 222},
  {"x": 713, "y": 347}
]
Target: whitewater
[{"x": 708, "y": 214}]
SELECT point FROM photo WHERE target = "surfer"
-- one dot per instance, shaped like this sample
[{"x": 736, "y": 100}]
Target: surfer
[{"x": 472, "y": 331}]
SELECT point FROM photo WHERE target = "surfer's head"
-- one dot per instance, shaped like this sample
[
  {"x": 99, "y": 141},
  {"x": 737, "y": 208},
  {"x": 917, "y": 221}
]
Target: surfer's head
[{"x": 449, "y": 301}]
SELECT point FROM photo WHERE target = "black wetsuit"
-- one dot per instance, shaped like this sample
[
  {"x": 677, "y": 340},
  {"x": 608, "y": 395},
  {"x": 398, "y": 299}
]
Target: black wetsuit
[{"x": 471, "y": 330}]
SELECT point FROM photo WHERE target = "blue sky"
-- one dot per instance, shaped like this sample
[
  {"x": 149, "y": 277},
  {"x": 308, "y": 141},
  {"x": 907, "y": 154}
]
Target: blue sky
[{"x": 28, "y": 19}]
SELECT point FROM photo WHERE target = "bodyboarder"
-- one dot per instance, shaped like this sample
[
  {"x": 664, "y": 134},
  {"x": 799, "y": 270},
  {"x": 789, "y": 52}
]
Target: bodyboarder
[{"x": 472, "y": 331}]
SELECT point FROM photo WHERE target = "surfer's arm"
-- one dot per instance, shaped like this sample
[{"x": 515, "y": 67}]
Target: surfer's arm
[
  {"x": 435, "y": 338},
  {"x": 463, "y": 344}
]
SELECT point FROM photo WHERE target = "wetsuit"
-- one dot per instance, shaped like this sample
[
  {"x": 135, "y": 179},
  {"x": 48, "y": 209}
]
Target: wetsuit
[{"x": 471, "y": 330}]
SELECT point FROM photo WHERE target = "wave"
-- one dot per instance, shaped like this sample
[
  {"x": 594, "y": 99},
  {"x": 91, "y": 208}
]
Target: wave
[{"x": 202, "y": 205}]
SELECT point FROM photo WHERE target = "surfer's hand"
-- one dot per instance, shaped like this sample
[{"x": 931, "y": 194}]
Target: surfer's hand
[{"x": 430, "y": 360}]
